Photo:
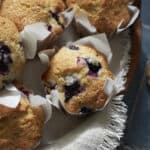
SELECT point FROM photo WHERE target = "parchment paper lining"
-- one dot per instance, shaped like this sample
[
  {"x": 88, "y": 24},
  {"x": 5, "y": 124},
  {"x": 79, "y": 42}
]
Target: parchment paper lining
[{"x": 11, "y": 96}]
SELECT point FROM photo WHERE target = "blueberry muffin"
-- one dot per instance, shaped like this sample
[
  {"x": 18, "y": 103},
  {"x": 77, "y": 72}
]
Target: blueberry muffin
[
  {"x": 20, "y": 128},
  {"x": 105, "y": 15},
  {"x": 26, "y": 12},
  {"x": 78, "y": 73},
  {"x": 11, "y": 53}
]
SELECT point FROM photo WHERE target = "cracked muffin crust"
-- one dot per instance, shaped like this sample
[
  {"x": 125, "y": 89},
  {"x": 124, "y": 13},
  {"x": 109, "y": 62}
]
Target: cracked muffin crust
[
  {"x": 78, "y": 73},
  {"x": 20, "y": 128},
  {"x": 26, "y": 12},
  {"x": 105, "y": 15},
  {"x": 12, "y": 58}
]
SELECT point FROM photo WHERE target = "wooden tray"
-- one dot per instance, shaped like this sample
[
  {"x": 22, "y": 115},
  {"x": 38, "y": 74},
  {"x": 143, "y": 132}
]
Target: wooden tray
[{"x": 136, "y": 34}]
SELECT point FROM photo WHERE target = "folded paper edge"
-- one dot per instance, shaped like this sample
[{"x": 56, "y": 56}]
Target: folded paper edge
[
  {"x": 31, "y": 46},
  {"x": 92, "y": 30},
  {"x": 135, "y": 13},
  {"x": 12, "y": 89}
]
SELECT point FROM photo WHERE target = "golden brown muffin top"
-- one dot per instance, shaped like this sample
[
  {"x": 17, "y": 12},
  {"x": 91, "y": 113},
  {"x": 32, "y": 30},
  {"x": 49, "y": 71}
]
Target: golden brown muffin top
[
  {"x": 12, "y": 56},
  {"x": 20, "y": 128},
  {"x": 73, "y": 65},
  {"x": 105, "y": 15},
  {"x": 8, "y": 30},
  {"x": 25, "y": 12}
]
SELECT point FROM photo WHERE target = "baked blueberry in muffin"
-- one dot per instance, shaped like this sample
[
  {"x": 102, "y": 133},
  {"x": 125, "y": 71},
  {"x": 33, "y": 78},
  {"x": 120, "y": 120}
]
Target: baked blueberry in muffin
[
  {"x": 26, "y": 12},
  {"x": 12, "y": 58},
  {"x": 40, "y": 22},
  {"x": 5, "y": 58},
  {"x": 105, "y": 15},
  {"x": 79, "y": 74}
]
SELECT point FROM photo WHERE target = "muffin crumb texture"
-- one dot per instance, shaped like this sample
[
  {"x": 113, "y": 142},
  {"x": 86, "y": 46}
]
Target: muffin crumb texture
[
  {"x": 20, "y": 128},
  {"x": 12, "y": 57},
  {"x": 26, "y": 12},
  {"x": 105, "y": 15},
  {"x": 79, "y": 74}
]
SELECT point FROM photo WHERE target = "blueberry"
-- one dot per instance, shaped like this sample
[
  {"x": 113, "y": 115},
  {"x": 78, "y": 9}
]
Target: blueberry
[
  {"x": 49, "y": 28},
  {"x": 71, "y": 90},
  {"x": 92, "y": 74},
  {"x": 4, "y": 48},
  {"x": 54, "y": 15},
  {"x": 94, "y": 65},
  {"x": 73, "y": 47},
  {"x": 86, "y": 110},
  {"x": 3, "y": 69},
  {"x": 5, "y": 58},
  {"x": 72, "y": 87}
]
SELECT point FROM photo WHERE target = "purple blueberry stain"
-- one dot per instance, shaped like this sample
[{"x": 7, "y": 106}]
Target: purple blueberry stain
[
  {"x": 92, "y": 74},
  {"x": 72, "y": 87},
  {"x": 73, "y": 47},
  {"x": 93, "y": 64},
  {"x": 5, "y": 59},
  {"x": 49, "y": 28},
  {"x": 81, "y": 61},
  {"x": 4, "y": 48}
]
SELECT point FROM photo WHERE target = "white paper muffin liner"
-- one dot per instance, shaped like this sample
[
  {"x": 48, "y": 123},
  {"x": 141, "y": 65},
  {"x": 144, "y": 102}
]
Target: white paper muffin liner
[
  {"x": 84, "y": 27},
  {"x": 36, "y": 36},
  {"x": 11, "y": 96},
  {"x": 101, "y": 44}
]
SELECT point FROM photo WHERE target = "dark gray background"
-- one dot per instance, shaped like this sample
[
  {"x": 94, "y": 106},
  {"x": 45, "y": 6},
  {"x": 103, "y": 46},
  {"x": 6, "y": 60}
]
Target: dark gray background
[{"x": 137, "y": 134}]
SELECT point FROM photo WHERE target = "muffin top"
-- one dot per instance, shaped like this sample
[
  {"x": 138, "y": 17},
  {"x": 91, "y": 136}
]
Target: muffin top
[
  {"x": 21, "y": 128},
  {"x": 26, "y": 12},
  {"x": 8, "y": 31},
  {"x": 79, "y": 74},
  {"x": 105, "y": 15},
  {"x": 12, "y": 57}
]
